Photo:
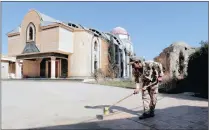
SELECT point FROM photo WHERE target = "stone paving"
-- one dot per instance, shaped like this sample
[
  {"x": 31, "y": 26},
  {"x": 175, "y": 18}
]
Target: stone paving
[{"x": 74, "y": 105}]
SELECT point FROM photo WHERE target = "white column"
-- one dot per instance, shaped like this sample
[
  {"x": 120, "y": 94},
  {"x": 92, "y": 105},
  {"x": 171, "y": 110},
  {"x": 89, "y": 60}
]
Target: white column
[
  {"x": 53, "y": 59},
  {"x": 18, "y": 69},
  {"x": 128, "y": 67},
  {"x": 124, "y": 64}
]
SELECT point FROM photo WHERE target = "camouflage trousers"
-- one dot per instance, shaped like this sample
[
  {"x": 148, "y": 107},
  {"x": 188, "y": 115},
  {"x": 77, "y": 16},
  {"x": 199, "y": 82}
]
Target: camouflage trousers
[
  {"x": 149, "y": 98},
  {"x": 139, "y": 81}
]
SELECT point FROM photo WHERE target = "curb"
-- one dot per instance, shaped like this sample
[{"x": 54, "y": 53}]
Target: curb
[{"x": 35, "y": 79}]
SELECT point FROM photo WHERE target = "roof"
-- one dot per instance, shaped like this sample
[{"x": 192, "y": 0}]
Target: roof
[
  {"x": 119, "y": 30},
  {"x": 46, "y": 23},
  {"x": 46, "y": 18},
  {"x": 8, "y": 58},
  {"x": 16, "y": 30},
  {"x": 30, "y": 48}
]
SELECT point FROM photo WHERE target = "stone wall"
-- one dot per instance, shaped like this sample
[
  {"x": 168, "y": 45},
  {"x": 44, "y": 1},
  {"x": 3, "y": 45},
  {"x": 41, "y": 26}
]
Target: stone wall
[{"x": 169, "y": 58}]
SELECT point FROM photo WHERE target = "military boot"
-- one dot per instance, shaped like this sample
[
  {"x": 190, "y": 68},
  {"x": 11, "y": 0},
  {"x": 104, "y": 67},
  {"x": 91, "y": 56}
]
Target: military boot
[
  {"x": 152, "y": 113},
  {"x": 144, "y": 116}
]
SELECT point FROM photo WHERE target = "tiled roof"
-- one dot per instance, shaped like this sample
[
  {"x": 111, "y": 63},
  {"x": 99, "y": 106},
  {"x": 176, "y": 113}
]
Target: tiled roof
[{"x": 30, "y": 48}]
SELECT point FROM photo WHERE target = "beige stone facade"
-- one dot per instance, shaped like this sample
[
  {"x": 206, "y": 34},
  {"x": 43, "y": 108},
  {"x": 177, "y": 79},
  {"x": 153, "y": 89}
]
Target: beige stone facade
[{"x": 53, "y": 49}]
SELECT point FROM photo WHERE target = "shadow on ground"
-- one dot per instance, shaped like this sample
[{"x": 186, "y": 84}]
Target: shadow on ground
[
  {"x": 180, "y": 117},
  {"x": 115, "y": 108}
]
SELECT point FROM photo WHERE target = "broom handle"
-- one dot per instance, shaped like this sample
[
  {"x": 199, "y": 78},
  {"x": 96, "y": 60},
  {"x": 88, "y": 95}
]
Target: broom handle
[
  {"x": 129, "y": 96},
  {"x": 121, "y": 100},
  {"x": 150, "y": 85}
]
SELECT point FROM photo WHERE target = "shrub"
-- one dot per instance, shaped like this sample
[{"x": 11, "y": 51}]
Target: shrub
[
  {"x": 197, "y": 79},
  {"x": 98, "y": 75},
  {"x": 198, "y": 70}
]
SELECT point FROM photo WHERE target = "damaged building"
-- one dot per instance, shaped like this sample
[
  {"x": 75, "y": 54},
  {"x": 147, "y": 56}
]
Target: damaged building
[{"x": 48, "y": 48}]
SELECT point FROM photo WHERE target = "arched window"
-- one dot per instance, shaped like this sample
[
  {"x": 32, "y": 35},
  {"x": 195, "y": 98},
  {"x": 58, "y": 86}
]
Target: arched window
[
  {"x": 95, "y": 46},
  {"x": 95, "y": 58},
  {"x": 30, "y": 32}
]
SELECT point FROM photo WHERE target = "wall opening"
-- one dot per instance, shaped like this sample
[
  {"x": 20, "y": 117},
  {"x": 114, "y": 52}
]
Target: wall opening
[{"x": 30, "y": 33}]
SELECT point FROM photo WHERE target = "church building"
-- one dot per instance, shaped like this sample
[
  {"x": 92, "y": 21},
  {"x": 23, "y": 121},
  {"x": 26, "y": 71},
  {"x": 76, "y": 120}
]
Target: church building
[{"x": 48, "y": 48}]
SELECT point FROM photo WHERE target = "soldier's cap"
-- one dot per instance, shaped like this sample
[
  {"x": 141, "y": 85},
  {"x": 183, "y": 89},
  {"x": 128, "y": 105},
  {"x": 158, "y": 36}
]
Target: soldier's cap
[{"x": 137, "y": 58}]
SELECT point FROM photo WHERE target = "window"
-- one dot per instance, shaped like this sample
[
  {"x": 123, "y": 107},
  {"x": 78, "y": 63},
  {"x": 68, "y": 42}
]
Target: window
[
  {"x": 95, "y": 65},
  {"x": 95, "y": 46},
  {"x": 30, "y": 32}
]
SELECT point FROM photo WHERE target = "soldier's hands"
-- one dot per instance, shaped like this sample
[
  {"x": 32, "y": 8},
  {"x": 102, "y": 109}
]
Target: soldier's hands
[
  {"x": 136, "y": 91},
  {"x": 144, "y": 88}
]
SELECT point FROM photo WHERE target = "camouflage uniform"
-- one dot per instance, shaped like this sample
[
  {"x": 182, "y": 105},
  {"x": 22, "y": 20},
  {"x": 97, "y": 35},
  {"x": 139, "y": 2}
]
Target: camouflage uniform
[
  {"x": 138, "y": 72},
  {"x": 149, "y": 96}
]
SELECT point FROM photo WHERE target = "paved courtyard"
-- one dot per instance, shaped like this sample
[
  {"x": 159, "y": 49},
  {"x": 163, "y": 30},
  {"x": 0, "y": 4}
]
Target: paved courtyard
[{"x": 73, "y": 105}]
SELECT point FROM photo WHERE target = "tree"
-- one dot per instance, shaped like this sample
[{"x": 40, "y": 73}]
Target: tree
[{"x": 198, "y": 70}]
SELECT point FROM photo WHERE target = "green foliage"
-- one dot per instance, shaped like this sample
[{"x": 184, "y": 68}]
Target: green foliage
[
  {"x": 112, "y": 67},
  {"x": 173, "y": 86},
  {"x": 98, "y": 75},
  {"x": 198, "y": 70},
  {"x": 197, "y": 79},
  {"x": 169, "y": 85},
  {"x": 111, "y": 54}
]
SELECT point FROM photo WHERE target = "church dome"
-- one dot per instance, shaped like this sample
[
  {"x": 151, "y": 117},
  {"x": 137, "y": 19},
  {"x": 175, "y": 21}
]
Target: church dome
[{"x": 119, "y": 30}]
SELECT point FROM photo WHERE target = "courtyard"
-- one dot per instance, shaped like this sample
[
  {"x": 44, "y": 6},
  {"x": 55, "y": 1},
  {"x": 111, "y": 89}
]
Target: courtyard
[{"x": 74, "y": 105}]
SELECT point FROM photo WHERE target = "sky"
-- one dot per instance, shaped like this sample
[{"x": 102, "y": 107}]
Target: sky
[{"x": 152, "y": 26}]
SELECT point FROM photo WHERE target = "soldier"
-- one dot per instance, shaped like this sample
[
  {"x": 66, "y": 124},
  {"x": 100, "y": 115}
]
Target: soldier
[
  {"x": 137, "y": 66},
  {"x": 152, "y": 76}
]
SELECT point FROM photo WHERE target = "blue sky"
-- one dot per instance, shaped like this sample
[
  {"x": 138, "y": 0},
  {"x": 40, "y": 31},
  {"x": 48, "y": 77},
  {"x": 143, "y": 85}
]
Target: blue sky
[{"x": 152, "y": 25}]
